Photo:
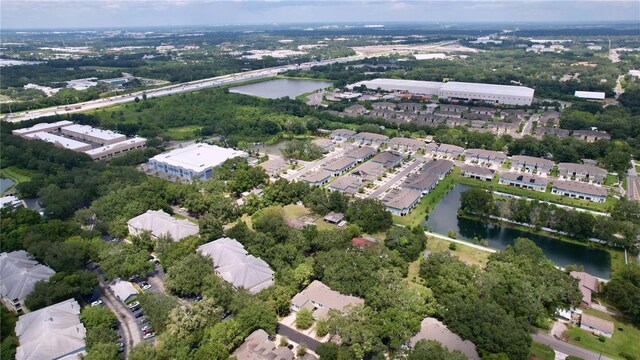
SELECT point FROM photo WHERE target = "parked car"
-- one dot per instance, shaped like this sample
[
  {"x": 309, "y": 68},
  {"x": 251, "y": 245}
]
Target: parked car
[
  {"x": 96, "y": 303},
  {"x": 149, "y": 335},
  {"x": 145, "y": 285},
  {"x": 146, "y": 327},
  {"x": 138, "y": 314},
  {"x": 120, "y": 346},
  {"x": 133, "y": 305},
  {"x": 148, "y": 331}
]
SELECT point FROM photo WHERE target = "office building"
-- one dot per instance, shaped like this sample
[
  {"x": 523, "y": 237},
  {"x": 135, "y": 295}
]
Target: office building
[{"x": 195, "y": 161}]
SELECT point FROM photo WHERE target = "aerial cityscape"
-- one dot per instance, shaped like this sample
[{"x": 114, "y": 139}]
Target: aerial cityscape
[{"x": 333, "y": 180}]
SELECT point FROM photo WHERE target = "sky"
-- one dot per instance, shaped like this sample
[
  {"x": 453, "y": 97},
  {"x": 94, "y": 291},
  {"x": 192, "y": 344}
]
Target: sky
[{"x": 32, "y": 14}]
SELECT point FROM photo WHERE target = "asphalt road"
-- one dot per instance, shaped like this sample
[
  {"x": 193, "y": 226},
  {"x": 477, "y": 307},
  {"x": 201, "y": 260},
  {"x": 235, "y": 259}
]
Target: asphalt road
[
  {"x": 568, "y": 349},
  {"x": 130, "y": 329},
  {"x": 396, "y": 178},
  {"x": 633, "y": 184},
  {"x": 297, "y": 337}
]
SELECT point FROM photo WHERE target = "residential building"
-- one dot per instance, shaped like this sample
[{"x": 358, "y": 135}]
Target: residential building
[
  {"x": 524, "y": 181},
  {"x": 383, "y": 105},
  {"x": 453, "y": 108},
  {"x": 158, "y": 223},
  {"x": 363, "y": 242},
  {"x": 53, "y": 332},
  {"x": 477, "y": 172},
  {"x": 484, "y": 157},
  {"x": 406, "y": 144},
  {"x": 257, "y": 346},
  {"x": 319, "y": 298},
  {"x": 423, "y": 182},
  {"x": 316, "y": 178},
  {"x": 59, "y": 141},
  {"x": 20, "y": 272},
  {"x": 388, "y": 115},
  {"x": 579, "y": 190},
  {"x": 588, "y": 285},
  {"x": 433, "y": 329},
  {"x": 501, "y": 128},
  {"x": 590, "y": 135},
  {"x": 342, "y": 134},
  {"x": 93, "y": 135},
  {"x": 554, "y": 131},
  {"x": 325, "y": 144},
  {"x": 111, "y": 150},
  {"x": 347, "y": 184},
  {"x": 590, "y": 95},
  {"x": 438, "y": 167},
  {"x": 232, "y": 262},
  {"x": 388, "y": 159},
  {"x": 10, "y": 201},
  {"x": 334, "y": 218},
  {"x": 42, "y": 127},
  {"x": 195, "y": 161},
  {"x": 339, "y": 165},
  {"x": 274, "y": 167},
  {"x": 371, "y": 138},
  {"x": 123, "y": 290},
  {"x": 597, "y": 325},
  {"x": 531, "y": 164},
  {"x": 483, "y": 110},
  {"x": 410, "y": 107},
  {"x": 401, "y": 202},
  {"x": 369, "y": 171},
  {"x": 448, "y": 151},
  {"x": 361, "y": 154},
  {"x": 513, "y": 114},
  {"x": 582, "y": 172},
  {"x": 356, "y": 110}
]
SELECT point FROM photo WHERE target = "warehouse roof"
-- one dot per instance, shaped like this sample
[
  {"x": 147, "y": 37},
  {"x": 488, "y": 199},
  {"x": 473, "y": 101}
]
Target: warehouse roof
[
  {"x": 59, "y": 141},
  {"x": 589, "y": 95},
  {"x": 42, "y": 127},
  {"x": 198, "y": 156},
  {"x": 160, "y": 223},
  {"x": 52, "y": 332},
  {"x": 91, "y": 131},
  {"x": 489, "y": 89},
  {"x": 400, "y": 83},
  {"x": 116, "y": 146},
  {"x": 20, "y": 272}
]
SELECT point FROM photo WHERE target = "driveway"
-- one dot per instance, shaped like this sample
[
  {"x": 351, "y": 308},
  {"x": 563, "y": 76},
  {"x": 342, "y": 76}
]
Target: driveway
[
  {"x": 298, "y": 337},
  {"x": 130, "y": 329},
  {"x": 565, "y": 348}
]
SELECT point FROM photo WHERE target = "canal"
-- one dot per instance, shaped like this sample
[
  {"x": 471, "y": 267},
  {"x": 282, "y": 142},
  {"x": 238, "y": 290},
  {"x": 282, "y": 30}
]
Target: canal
[
  {"x": 279, "y": 88},
  {"x": 444, "y": 217}
]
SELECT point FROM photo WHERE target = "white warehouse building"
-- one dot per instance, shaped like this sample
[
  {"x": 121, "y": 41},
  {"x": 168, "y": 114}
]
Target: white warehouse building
[
  {"x": 491, "y": 93},
  {"x": 195, "y": 161}
]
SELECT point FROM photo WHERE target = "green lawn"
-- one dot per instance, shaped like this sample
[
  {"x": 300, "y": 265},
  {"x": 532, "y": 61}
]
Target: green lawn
[
  {"x": 467, "y": 254},
  {"x": 625, "y": 341},
  {"x": 610, "y": 180},
  {"x": 183, "y": 132},
  {"x": 541, "y": 352}
]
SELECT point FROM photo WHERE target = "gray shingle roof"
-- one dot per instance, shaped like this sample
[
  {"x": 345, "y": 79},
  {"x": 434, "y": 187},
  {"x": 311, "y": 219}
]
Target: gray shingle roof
[
  {"x": 322, "y": 295},
  {"x": 20, "y": 272},
  {"x": 160, "y": 223}
]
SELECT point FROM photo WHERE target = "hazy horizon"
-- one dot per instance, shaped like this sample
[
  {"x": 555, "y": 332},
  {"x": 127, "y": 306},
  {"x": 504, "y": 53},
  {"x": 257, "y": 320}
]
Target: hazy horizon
[{"x": 78, "y": 14}]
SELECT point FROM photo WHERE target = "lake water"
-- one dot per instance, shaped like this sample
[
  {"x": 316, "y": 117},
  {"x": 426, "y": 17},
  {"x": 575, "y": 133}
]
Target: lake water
[
  {"x": 279, "y": 88},
  {"x": 5, "y": 184},
  {"x": 274, "y": 149},
  {"x": 596, "y": 262}
]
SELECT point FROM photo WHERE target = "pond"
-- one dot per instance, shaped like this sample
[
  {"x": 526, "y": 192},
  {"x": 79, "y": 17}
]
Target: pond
[
  {"x": 276, "y": 89},
  {"x": 5, "y": 184},
  {"x": 444, "y": 217},
  {"x": 275, "y": 149}
]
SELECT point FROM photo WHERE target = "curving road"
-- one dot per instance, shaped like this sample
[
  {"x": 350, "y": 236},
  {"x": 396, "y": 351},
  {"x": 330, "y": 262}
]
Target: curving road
[{"x": 130, "y": 330}]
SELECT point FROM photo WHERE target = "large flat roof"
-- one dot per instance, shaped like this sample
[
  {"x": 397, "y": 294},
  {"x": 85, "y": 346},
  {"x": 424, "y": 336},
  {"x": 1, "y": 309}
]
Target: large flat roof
[
  {"x": 119, "y": 145},
  {"x": 91, "y": 131},
  {"x": 42, "y": 127},
  {"x": 197, "y": 157},
  {"x": 59, "y": 141},
  {"x": 400, "y": 83},
  {"x": 589, "y": 95},
  {"x": 490, "y": 89}
]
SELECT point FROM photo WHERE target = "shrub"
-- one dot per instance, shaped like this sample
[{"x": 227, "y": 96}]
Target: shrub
[
  {"x": 304, "y": 319},
  {"x": 284, "y": 341},
  {"x": 628, "y": 356},
  {"x": 302, "y": 349},
  {"x": 602, "y": 338},
  {"x": 453, "y": 246},
  {"x": 322, "y": 327}
]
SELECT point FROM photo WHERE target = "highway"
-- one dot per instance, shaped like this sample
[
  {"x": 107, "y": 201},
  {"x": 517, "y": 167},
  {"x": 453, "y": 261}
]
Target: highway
[{"x": 173, "y": 89}]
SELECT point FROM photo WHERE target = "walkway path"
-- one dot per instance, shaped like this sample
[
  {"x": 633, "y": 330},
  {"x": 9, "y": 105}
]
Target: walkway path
[{"x": 462, "y": 242}]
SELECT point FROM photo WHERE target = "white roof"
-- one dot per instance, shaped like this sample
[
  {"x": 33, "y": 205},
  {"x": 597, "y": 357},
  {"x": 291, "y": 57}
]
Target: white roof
[
  {"x": 119, "y": 145},
  {"x": 59, "y": 140},
  {"x": 51, "y": 333},
  {"x": 123, "y": 289},
  {"x": 198, "y": 157},
  {"x": 490, "y": 89},
  {"x": 589, "y": 95},
  {"x": 160, "y": 223},
  {"x": 232, "y": 262},
  {"x": 9, "y": 200},
  {"x": 20, "y": 273},
  {"x": 415, "y": 86},
  {"x": 42, "y": 127},
  {"x": 106, "y": 135}
]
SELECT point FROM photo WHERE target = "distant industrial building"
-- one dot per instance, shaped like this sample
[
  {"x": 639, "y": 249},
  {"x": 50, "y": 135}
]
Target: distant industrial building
[
  {"x": 159, "y": 224},
  {"x": 20, "y": 272},
  {"x": 53, "y": 332},
  {"x": 591, "y": 95},
  {"x": 195, "y": 161},
  {"x": 490, "y": 93},
  {"x": 115, "y": 149},
  {"x": 234, "y": 264},
  {"x": 90, "y": 134},
  {"x": 59, "y": 141},
  {"x": 42, "y": 127}
]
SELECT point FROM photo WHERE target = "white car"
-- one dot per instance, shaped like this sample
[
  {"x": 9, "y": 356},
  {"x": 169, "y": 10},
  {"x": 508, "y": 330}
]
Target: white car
[
  {"x": 133, "y": 305},
  {"x": 146, "y": 286},
  {"x": 96, "y": 303},
  {"x": 146, "y": 327},
  {"x": 149, "y": 335}
]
